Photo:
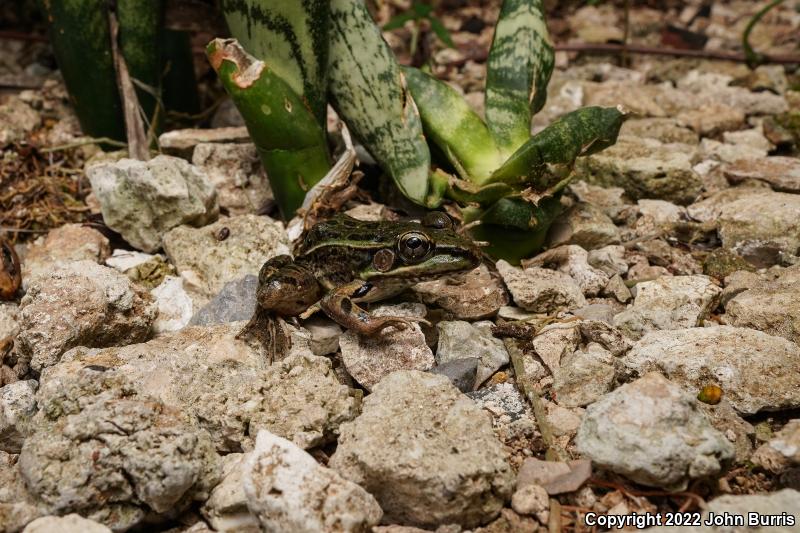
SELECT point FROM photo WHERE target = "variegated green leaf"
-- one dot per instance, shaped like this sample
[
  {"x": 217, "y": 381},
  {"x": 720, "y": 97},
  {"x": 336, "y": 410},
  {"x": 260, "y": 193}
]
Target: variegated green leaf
[
  {"x": 582, "y": 132},
  {"x": 452, "y": 124},
  {"x": 368, "y": 91},
  {"x": 291, "y": 36},
  {"x": 292, "y": 144},
  {"x": 517, "y": 72}
]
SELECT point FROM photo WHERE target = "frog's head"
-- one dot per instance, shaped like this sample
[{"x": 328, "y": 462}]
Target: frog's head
[{"x": 420, "y": 250}]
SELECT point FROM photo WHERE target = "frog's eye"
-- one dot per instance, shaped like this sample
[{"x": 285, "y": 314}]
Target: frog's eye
[
  {"x": 437, "y": 220},
  {"x": 413, "y": 246}
]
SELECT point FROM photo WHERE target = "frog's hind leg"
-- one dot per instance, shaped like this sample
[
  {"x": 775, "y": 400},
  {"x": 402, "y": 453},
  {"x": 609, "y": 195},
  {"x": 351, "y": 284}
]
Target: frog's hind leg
[
  {"x": 340, "y": 305},
  {"x": 267, "y": 330}
]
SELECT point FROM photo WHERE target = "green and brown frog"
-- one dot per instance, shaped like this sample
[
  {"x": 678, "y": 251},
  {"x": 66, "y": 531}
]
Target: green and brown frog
[{"x": 343, "y": 261}]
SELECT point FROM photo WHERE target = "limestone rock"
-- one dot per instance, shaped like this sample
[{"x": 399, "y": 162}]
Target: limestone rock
[
  {"x": 207, "y": 261},
  {"x": 174, "y": 305},
  {"x": 584, "y": 225},
  {"x": 670, "y": 302},
  {"x": 142, "y": 200},
  {"x": 782, "y": 173},
  {"x": 654, "y": 433},
  {"x": 288, "y": 491},
  {"x": 771, "y": 306},
  {"x": 756, "y": 371},
  {"x": 71, "y": 523},
  {"x": 766, "y": 219},
  {"x": 555, "y": 342},
  {"x": 81, "y": 303},
  {"x": 460, "y": 372},
  {"x": 573, "y": 260},
  {"x": 610, "y": 259},
  {"x": 226, "y": 508},
  {"x": 17, "y": 407},
  {"x": 183, "y": 141},
  {"x": 236, "y": 172},
  {"x": 426, "y": 452},
  {"x": 782, "y": 451},
  {"x": 235, "y": 302},
  {"x": 17, "y": 120},
  {"x": 459, "y": 340},
  {"x": 466, "y": 296},
  {"x": 584, "y": 376},
  {"x": 763, "y": 506},
  {"x": 541, "y": 290},
  {"x": 62, "y": 245},
  {"x": 666, "y": 130},
  {"x": 17, "y": 506},
  {"x": 9, "y": 315}
]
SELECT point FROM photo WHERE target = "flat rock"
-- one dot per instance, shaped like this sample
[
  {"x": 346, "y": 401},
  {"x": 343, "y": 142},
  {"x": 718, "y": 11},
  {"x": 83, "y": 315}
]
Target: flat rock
[
  {"x": 670, "y": 302},
  {"x": 426, "y": 452},
  {"x": 765, "y": 219},
  {"x": 236, "y": 301},
  {"x": 236, "y": 172},
  {"x": 460, "y": 372},
  {"x": 652, "y": 432},
  {"x": 554, "y": 342},
  {"x": 584, "y": 376},
  {"x": 583, "y": 225},
  {"x": 771, "y": 306},
  {"x": 666, "y": 130},
  {"x": 712, "y": 119},
  {"x": 541, "y": 290},
  {"x": 459, "y": 340},
  {"x": 17, "y": 407},
  {"x": 207, "y": 262},
  {"x": 227, "y": 385},
  {"x": 645, "y": 168},
  {"x": 62, "y": 245},
  {"x": 142, "y": 200},
  {"x": 781, "y": 173},
  {"x": 710, "y": 208},
  {"x": 467, "y": 296},
  {"x": 287, "y": 490},
  {"x": 81, "y": 304},
  {"x": 553, "y": 476},
  {"x": 756, "y": 371},
  {"x": 572, "y": 260},
  {"x": 370, "y": 358},
  {"x": 782, "y": 451},
  {"x": 183, "y": 141},
  {"x": 71, "y": 523}
]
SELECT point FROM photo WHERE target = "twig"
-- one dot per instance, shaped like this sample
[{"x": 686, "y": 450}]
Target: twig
[
  {"x": 754, "y": 58},
  {"x": 608, "y": 48},
  {"x": 134, "y": 125}
]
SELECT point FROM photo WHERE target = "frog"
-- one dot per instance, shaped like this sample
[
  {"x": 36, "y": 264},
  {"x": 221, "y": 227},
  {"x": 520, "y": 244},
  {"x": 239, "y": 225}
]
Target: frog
[{"x": 342, "y": 262}]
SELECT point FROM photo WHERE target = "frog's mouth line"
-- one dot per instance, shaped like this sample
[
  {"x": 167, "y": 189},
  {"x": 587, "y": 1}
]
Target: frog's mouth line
[{"x": 436, "y": 265}]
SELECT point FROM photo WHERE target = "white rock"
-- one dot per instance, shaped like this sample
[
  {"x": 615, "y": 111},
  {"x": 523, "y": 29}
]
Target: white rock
[
  {"x": 62, "y": 245},
  {"x": 226, "y": 508},
  {"x": 782, "y": 451},
  {"x": 17, "y": 406},
  {"x": 573, "y": 261},
  {"x": 530, "y": 499},
  {"x": 288, "y": 491},
  {"x": 610, "y": 259},
  {"x": 71, "y": 523},
  {"x": 124, "y": 260},
  {"x": 654, "y": 433},
  {"x": 9, "y": 315},
  {"x": 460, "y": 340},
  {"x": 725, "y": 356},
  {"x": 584, "y": 376},
  {"x": 541, "y": 290},
  {"x": 761, "y": 219},
  {"x": 174, "y": 305},
  {"x": 554, "y": 342}
]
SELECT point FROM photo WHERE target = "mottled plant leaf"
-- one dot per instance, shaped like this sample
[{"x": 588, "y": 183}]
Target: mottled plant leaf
[
  {"x": 291, "y": 37},
  {"x": 582, "y": 132},
  {"x": 517, "y": 72},
  {"x": 368, "y": 91},
  {"x": 455, "y": 128},
  {"x": 291, "y": 143}
]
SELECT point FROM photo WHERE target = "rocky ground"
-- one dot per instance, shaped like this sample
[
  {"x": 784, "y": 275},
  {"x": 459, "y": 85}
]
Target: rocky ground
[{"x": 647, "y": 361}]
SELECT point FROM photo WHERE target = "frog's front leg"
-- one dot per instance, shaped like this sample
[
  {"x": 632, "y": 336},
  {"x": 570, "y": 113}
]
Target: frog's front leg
[{"x": 340, "y": 305}]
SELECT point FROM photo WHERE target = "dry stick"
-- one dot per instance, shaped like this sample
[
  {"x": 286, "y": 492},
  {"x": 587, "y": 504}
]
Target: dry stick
[
  {"x": 138, "y": 147},
  {"x": 608, "y": 48}
]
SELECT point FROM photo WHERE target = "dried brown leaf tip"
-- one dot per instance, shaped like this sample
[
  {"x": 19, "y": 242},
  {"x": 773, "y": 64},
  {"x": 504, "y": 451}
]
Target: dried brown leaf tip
[{"x": 10, "y": 275}]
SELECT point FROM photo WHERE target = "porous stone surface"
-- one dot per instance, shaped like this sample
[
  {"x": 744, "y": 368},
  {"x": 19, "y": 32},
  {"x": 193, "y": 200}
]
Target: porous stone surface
[
  {"x": 555, "y": 342},
  {"x": 541, "y": 290},
  {"x": 654, "y": 433},
  {"x": 227, "y": 385},
  {"x": 71, "y": 523},
  {"x": 17, "y": 506},
  {"x": 287, "y": 490},
  {"x": 67, "y": 243},
  {"x": 670, "y": 302},
  {"x": 781, "y": 173},
  {"x": 81, "y": 304},
  {"x": 759, "y": 220},
  {"x": 17, "y": 407},
  {"x": 467, "y": 296},
  {"x": 782, "y": 451},
  {"x": 572, "y": 260},
  {"x": 762, "y": 505},
  {"x": 142, "y": 200},
  {"x": 610, "y": 259},
  {"x": 756, "y": 371},
  {"x": 226, "y": 508},
  {"x": 236, "y": 172},
  {"x": 426, "y": 452},
  {"x": 101, "y": 449},
  {"x": 207, "y": 261},
  {"x": 583, "y": 225},
  {"x": 235, "y": 302},
  {"x": 584, "y": 377},
  {"x": 459, "y": 340}
]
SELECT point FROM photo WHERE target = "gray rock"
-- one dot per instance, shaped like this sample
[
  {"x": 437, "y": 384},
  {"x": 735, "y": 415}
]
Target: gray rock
[
  {"x": 17, "y": 407},
  {"x": 645, "y": 168},
  {"x": 142, "y": 200},
  {"x": 703, "y": 87},
  {"x": 584, "y": 377},
  {"x": 18, "y": 120},
  {"x": 81, "y": 304},
  {"x": 584, "y": 225},
  {"x": 236, "y": 172},
  {"x": 735, "y": 428},
  {"x": 460, "y": 372},
  {"x": 541, "y": 290},
  {"x": 782, "y": 451},
  {"x": 324, "y": 334},
  {"x": 503, "y": 400},
  {"x": 654, "y": 433},
  {"x": 426, "y": 452},
  {"x": 226, "y": 508},
  {"x": 670, "y": 302},
  {"x": 467, "y": 296},
  {"x": 17, "y": 506},
  {"x": 459, "y": 340},
  {"x": 62, "y": 245},
  {"x": 710, "y": 208},
  {"x": 101, "y": 449},
  {"x": 781, "y": 173},
  {"x": 207, "y": 262},
  {"x": 572, "y": 260},
  {"x": 764, "y": 220},
  {"x": 370, "y": 359},
  {"x": 553, "y": 476},
  {"x": 234, "y": 303},
  {"x": 610, "y": 259},
  {"x": 771, "y": 306},
  {"x": 724, "y": 355},
  {"x": 71, "y": 523},
  {"x": 226, "y": 384},
  {"x": 288, "y": 491}
]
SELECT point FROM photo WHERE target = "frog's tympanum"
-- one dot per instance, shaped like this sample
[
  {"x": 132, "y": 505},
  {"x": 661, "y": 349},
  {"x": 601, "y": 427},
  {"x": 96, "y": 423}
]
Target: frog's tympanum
[{"x": 343, "y": 261}]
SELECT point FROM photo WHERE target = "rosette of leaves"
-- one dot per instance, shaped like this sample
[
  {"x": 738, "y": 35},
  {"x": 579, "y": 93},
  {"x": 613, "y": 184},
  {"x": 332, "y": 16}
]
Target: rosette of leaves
[{"x": 501, "y": 176}]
